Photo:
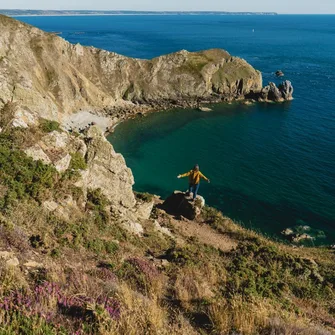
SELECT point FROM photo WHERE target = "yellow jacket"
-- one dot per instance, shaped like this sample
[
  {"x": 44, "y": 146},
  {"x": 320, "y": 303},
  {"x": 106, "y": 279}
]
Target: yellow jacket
[{"x": 194, "y": 176}]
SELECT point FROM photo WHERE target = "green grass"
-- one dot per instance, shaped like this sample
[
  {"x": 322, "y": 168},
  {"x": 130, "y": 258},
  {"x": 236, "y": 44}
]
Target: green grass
[
  {"x": 22, "y": 176},
  {"x": 49, "y": 126},
  {"x": 21, "y": 324},
  {"x": 77, "y": 162},
  {"x": 257, "y": 269}
]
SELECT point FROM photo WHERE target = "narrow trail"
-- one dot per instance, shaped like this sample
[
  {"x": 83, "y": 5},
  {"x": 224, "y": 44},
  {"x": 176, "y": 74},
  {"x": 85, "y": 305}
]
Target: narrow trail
[{"x": 205, "y": 234}]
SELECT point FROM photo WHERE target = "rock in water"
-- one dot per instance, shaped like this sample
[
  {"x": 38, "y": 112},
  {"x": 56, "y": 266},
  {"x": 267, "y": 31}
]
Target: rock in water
[
  {"x": 279, "y": 73},
  {"x": 204, "y": 109},
  {"x": 274, "y": 93},
  {"x": 179, "y": 204},
  {"x": 288, "y": 232},
  {"x": 277, "y": 94},
  {"x": 286, "y": 90}
]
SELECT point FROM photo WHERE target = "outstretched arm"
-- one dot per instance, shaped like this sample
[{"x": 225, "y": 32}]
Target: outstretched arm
[
  {"x": 184, "y": 175},
  {"x": 204, "y": 177}
]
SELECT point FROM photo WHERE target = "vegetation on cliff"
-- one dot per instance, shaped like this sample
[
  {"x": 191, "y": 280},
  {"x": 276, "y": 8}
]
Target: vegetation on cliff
[
  {"x": 53, "y": 78},
  {"x": 75, "y": 269}
]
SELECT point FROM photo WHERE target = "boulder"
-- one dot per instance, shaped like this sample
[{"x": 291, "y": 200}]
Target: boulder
[
  {"x": 9, "y": 258},
  {"x": 296, "y": 238},
  {"x": 56, "y": 140},
  {"x": 37, "y": 153},
  {"x": 178, "y": 203},
  {"x": 56, "y": 148},
  {"x": 279, "y": 73},
  {"x": 23, "y": 118},
  {"x": 13, "y": 262},
  {"x": 143, "y": 209},
  {"x": 63, "y": 164},
  {"x": 296, "y": 234},
  {"x": 288, "y": 232},
  {"x": 204, "y": 109}
]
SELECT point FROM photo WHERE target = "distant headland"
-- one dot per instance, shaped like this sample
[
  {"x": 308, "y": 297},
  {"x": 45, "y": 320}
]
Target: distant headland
[{"x": 24, "y": 12}]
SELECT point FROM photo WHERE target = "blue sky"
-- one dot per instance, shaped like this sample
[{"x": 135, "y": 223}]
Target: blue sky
[{"x": 281, "y": 6}]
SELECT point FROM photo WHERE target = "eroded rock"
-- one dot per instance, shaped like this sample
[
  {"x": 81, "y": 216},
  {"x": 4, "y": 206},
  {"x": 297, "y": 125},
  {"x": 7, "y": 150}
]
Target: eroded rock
[
  {"x": 284, "y": 92},
  {"x": 143, "y": 209},
  {"x": 107, "y": 170},
  {"x": 162, "y": 230},
  {"x": 37, "y": 153},
  {"x": 178, "y": 203},
  {"x": 9, "y": 258}
]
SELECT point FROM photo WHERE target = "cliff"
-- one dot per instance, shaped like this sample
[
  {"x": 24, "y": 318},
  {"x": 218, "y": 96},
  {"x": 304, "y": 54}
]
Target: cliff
[
  {"x": 81, "y": 253},
  {"x": 52, "y": 77}
]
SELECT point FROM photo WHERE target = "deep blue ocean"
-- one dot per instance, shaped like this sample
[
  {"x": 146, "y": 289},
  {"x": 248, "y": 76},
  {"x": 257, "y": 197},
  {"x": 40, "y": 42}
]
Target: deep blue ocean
[{"x": 271, "y": 166}]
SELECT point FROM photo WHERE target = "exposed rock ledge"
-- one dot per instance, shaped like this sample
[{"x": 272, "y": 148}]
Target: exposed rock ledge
[
  {"x": 180, "y": 204},
  {"x": 106, "y": 170},
  {"x": 52, "y": 78}
]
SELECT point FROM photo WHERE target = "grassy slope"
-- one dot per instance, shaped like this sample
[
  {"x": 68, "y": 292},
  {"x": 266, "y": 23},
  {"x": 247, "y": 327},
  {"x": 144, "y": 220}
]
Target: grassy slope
[{"x": 92, "y": 277}]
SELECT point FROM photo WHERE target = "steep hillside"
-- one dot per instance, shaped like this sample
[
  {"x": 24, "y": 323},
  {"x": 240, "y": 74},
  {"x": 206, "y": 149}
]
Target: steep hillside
[
  {"x": 52, "y": 77},
  {"x": 80, "y": 253}
]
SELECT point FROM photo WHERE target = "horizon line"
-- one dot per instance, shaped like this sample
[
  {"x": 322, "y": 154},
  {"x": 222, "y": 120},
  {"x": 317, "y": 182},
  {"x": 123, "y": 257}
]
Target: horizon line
[{"x": 161, "y": 11}]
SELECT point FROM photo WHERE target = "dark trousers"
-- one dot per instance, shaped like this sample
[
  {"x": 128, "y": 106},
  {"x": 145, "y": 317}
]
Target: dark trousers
[{"x": 194, "y": 189}]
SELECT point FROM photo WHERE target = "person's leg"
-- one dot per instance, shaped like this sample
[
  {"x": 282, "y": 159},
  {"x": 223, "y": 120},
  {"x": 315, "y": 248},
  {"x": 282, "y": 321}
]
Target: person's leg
[
  {"x": 189, "y": 190},
  {"x": 195, "y": 190}
]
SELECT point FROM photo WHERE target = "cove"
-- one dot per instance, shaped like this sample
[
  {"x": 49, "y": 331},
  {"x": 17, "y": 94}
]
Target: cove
[{"x": 260, "y": 172}]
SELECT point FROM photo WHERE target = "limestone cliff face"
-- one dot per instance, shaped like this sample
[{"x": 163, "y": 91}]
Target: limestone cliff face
[
  {"x": 106, "y": 170},
  {"x": 53, "y": 78}
]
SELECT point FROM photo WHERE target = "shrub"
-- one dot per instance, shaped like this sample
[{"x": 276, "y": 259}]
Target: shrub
[
  {"x": 96, "y": 199},
  {"x": 262, "y": 270},
  {"x": 23, "y": 176},
  {"x": 47, "y": 303},
  {"x": 140, "y": 273},
  {"x": 48, "y": 126},
  {"x": 146, "y": 197},
  {"x": 97, "y": 202},
  {"x": 77, "y": 162}
]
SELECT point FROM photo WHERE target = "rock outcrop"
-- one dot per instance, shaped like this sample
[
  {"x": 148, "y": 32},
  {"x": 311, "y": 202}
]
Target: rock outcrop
[
  {"x": 104, "y": 170},
  {"x": 284, "y": 92},
  {"x": 107, "y": 170},
  {"x": 51, "y": 77},
  {"x": 179, "y": 204},
  {"x": 56, "y": 148},
  {"x": 279, "y": 73}
]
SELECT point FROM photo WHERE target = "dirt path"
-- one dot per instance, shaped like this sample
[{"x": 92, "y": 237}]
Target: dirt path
[{"x": 205, "y": 234}]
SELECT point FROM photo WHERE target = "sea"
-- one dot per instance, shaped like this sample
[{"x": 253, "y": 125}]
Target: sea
[{"x": 271, "y": 166}]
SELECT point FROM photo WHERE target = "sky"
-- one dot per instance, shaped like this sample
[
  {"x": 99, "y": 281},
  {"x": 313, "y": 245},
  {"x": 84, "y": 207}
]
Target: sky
[{"x": 282, "y": 6}]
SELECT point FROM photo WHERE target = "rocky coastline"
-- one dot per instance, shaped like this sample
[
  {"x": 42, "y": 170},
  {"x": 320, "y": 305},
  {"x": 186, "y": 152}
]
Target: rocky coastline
[
  {"x": 82, "y": 253},
  {"x": 48, "y": 77}
]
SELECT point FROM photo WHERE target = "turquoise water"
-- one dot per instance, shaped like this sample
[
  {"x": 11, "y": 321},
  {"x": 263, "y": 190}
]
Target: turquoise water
[{"x": 271, "y": 166}]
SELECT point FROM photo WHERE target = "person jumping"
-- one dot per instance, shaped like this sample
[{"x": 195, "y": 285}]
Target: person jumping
[{"x": 194, "y": 176}]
